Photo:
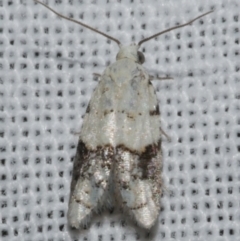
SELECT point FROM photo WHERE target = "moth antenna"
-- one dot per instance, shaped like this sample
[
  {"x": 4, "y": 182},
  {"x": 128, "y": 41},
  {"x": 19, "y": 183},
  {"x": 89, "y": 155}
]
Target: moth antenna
[
  {"x": 80, "y": 23},
  {"x": 170, "y": 29}
]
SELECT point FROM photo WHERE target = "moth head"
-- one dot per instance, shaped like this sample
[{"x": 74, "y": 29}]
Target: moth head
[{"x": 131, "y": 52}]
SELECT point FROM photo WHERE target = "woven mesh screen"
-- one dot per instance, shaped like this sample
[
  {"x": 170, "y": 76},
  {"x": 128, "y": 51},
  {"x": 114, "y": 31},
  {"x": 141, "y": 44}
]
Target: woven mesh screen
[{"x": 46, "y": 81}]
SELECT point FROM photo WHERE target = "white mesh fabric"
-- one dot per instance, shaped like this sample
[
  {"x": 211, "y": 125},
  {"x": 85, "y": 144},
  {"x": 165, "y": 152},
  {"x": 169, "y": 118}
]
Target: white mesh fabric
[{"x": 46, "y": 81}]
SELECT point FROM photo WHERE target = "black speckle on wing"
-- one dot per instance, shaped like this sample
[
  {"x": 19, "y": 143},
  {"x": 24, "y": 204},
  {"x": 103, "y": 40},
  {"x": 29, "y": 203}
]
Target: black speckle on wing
[
  {"x": 155, "y": 112},
  {"x": 88, "y": 109}
]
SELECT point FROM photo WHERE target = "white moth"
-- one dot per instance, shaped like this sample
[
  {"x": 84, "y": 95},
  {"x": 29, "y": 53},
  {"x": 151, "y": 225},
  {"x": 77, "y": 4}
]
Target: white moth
[{"x": 118, "y": 159}]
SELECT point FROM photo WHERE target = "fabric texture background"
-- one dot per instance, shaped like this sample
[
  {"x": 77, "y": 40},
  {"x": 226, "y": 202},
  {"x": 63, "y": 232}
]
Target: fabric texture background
[{"x": 46, "y": 82}]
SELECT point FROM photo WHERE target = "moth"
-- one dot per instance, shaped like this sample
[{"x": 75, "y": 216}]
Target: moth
[{"x": 119, "y": 160}]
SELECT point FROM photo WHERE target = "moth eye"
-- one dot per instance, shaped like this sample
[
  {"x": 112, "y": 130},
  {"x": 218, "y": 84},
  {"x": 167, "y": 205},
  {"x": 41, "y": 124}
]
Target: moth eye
[{"x": 141, "y": 58}]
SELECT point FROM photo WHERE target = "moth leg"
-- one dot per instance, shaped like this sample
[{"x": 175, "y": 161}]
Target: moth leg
[
  {"x": 97, "y": 75},
  {"x": 165, "y": 134},
  {"x": 160, "y": 78},
  {"x": 139, "y": 183},
  {"x": 90, "y": 181},
  {"x": 76, "y": 133}
]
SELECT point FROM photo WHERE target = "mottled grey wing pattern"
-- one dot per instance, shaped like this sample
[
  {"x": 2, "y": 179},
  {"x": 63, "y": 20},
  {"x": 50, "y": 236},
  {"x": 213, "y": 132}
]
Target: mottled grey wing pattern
[{"x": 90, "y": 180}]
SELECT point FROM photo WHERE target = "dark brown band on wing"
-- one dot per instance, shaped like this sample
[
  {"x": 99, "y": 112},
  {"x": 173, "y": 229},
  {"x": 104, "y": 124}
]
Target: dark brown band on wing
[
  {"x": 81, "y": 155},
  {"x": 147, "y": 159},
  {"x": 84, "y": 154}
]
